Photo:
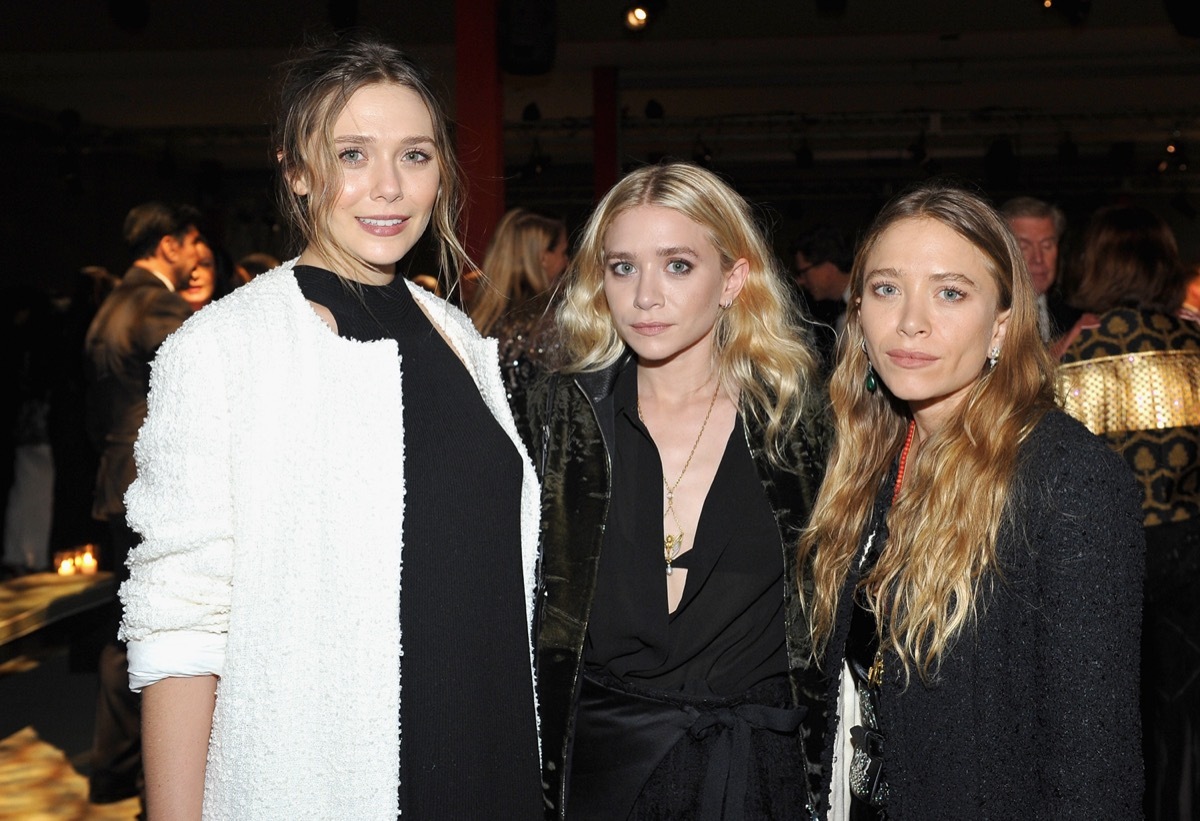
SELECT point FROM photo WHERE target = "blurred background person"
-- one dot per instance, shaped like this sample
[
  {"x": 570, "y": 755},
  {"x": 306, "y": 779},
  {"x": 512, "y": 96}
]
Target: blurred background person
[
  {"x": 213, "y": 277},
  {"x": 29, "y": 371},
  {"x": 1191, "y": 300},
  {"x": 255, "y": 263},
  {"x": 513, "y": 300},
  {"x": 822, "y": 258},
  {"x": 1039, "y": 227},
  {"x": 1133, "y": 377},
  {"x": 122, "y": 340}
]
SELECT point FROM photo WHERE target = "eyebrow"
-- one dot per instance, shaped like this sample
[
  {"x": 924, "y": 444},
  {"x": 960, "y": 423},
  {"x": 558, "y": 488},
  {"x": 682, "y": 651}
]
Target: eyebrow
[
  {"x": 361, "y": 139},
  {"x": 669, "y": 251},
  {"x": 948, "y": 276}
]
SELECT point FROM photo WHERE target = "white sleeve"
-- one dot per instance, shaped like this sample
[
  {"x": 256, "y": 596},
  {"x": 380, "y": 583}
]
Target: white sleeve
[
  {"x": 176, "y": 601},
  {"x": 166, "y": 655}
]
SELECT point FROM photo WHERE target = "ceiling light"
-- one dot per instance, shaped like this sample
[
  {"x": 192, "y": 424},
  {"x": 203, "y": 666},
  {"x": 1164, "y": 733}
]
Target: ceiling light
[{"x": 639, "y": 16}]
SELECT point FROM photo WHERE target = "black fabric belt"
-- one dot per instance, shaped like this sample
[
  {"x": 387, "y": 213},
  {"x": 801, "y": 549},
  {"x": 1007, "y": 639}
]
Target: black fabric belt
[{"x": 622, "y": 734}]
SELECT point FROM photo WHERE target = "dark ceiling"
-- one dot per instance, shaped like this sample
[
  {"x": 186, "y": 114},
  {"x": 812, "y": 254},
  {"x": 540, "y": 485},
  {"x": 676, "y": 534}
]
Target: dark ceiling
[{"x": 800, "y": 101}]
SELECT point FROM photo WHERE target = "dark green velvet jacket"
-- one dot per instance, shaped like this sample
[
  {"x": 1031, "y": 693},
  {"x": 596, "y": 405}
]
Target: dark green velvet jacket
[{"x": 568, "y": 442}]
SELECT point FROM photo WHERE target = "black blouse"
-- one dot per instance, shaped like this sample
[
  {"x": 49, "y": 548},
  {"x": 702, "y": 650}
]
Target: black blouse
[
  {"x": 468, "y": 731},
  {"x": 727, "y": 635}
]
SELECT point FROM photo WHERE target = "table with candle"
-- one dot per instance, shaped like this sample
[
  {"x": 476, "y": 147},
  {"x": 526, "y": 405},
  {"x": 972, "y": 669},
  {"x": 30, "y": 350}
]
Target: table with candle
[{"x": 30, "y": 604}]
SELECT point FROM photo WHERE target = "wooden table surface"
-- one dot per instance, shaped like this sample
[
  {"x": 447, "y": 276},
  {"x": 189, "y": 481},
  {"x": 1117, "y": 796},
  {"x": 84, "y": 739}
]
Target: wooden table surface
[{"x": 29, "y": 603}]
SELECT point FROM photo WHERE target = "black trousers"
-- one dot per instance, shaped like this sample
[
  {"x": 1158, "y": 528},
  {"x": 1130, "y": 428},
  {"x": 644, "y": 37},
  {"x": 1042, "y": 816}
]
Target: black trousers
[{"x": 116, "y": 764}]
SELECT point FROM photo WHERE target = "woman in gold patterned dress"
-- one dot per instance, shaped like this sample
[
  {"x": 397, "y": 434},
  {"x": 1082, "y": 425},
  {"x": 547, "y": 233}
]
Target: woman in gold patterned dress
[{"x": 1133, "y": 377}]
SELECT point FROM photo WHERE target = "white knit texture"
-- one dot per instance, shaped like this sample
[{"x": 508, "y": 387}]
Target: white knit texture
[{"x": 270, "y": 498}]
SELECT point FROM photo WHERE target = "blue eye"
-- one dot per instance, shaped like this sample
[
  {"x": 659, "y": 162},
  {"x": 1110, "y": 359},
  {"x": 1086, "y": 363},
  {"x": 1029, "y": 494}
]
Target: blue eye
[
  {"x": 622, "y": 269},
  {"x": 884, "y": 289},
  {"x": 353, "y": 156},
  {"x": 678, "y": 266},
  {"x": 951, "y": 294}
]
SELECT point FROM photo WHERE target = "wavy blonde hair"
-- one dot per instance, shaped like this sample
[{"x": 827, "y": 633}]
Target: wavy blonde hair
[
  {"x": 926, "y": 585},
  {"x": 315, "y": 87},
  {"x": 759, "y": 353},
  {"x": 512, "y": 266}
]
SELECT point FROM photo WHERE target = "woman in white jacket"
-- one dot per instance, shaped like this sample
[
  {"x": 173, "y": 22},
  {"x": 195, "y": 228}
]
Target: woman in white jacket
[{"x": 312, "y": 439}]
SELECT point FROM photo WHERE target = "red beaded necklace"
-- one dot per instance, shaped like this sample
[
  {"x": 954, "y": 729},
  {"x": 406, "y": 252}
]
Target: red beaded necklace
[{"x": 908, "y": 440}]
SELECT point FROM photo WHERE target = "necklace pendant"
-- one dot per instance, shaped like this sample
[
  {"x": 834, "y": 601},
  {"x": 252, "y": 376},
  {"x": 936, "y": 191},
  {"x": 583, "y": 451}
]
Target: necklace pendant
[{"x": 669, "y": 569}]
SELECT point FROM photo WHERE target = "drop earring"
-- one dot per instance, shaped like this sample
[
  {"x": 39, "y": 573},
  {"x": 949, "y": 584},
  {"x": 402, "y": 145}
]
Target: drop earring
[
  {"x": 870, "y": 383},
  {"x": 993, "y": 355}
]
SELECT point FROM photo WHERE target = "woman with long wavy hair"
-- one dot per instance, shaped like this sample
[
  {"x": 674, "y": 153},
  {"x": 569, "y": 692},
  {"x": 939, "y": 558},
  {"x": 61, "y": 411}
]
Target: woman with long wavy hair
[
  {"x": 681, "y": 451},
  {"x": 975, "y": 555},
  {"x": 514, "y": 298}
]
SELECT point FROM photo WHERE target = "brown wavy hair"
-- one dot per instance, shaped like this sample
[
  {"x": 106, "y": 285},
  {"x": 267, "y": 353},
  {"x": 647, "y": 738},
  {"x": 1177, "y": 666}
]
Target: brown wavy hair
[
  {"x": 315, "y": 87},
  {"x": 927, "y": 584},
  {"x": 758, "y": 351},
  {"x": 1128, "y": 257}
]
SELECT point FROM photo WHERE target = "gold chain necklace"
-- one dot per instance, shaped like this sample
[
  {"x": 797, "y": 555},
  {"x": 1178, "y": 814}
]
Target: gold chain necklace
[{"x": 673, "y": 542}]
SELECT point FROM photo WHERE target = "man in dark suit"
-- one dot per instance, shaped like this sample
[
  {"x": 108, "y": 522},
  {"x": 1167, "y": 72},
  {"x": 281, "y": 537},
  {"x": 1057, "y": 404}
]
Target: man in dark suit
[
  {"x": 822, "y": 258},
  {"x": 121, "y": 342},
  {"x": 1039, "y": 227}
]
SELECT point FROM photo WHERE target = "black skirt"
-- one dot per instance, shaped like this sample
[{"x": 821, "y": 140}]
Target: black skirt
[{"x": 643, "y": 754}]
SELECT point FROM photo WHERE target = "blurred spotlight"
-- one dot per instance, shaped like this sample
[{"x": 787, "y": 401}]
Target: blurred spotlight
[{"x": 641, "y": 15}]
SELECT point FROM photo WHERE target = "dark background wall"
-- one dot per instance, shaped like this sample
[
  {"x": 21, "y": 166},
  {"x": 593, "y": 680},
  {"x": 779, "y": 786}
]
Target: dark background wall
[{"x": 816, "y": 110}]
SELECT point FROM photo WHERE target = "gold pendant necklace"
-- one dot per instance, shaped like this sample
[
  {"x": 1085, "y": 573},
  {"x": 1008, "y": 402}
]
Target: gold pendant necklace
[{"x": 673, "y": 542}]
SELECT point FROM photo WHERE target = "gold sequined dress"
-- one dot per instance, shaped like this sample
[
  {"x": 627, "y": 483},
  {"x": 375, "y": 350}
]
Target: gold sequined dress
[{"x": 1135, "y": 381}]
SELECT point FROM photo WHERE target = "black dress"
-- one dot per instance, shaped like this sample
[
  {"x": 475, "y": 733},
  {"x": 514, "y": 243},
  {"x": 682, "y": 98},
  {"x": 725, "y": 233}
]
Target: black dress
[
  {"x": 686, "y": 714},
  {"x": 468, "y": 730}
]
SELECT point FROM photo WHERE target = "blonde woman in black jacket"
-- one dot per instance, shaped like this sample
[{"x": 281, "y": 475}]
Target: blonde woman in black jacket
[{"x": 681, "y": 455}]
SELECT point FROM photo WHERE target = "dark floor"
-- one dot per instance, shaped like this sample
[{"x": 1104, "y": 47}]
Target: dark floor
[{"x": 47, "y": 711}]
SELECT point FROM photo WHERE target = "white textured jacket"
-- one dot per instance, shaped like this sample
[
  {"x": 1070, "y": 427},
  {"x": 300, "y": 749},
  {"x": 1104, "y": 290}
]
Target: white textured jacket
[{"x": 269, "y": 498}]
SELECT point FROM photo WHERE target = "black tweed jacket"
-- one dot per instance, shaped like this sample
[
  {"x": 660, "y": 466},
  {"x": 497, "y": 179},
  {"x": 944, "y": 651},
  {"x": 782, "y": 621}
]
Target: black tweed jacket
[{"x": 1034, "y": 714}]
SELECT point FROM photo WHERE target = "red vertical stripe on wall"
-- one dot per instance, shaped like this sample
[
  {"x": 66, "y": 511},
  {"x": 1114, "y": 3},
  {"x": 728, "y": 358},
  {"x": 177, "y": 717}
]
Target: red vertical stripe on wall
[
  {"x": 604, "y": 128},
  {"x": 479, "y": 97}
]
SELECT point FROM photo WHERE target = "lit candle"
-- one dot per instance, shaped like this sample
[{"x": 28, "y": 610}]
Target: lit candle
[
  {"x": 87, "y": 563},
  {"x": 66, "y": 567}
]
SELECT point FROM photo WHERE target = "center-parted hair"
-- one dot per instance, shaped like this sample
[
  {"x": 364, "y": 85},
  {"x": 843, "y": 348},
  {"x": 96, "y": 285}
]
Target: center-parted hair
[
  {"x": 931, "y": 578},
  {"x": 315, "y": 88},
  {"x": 512, "y": 265},
  {"x": 758, "y": 352}
]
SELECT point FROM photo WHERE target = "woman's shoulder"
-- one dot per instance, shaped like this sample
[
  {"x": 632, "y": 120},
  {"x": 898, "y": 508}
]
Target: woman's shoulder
[
  {"x": 1059, "y": 438},
  {"x": 262, "y": 307},
  {"x": 1063, "y": 459},
  {"x": 1132, "y": 330}
]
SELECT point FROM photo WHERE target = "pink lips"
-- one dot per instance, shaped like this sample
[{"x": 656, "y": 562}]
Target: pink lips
[
  {"x": 910, "y": 359},
  {"x": 650, "y": 328},
  {"x": 383, "y": 226}
]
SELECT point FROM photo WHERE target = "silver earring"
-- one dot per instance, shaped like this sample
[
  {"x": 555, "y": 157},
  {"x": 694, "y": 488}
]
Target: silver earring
[{"x": 993, "y": 355}]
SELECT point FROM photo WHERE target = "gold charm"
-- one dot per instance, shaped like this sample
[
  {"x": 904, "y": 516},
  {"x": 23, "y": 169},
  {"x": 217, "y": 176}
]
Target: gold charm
[
  {"x": 673, "y": 544},
  {"x": 875, "y": 674}
]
